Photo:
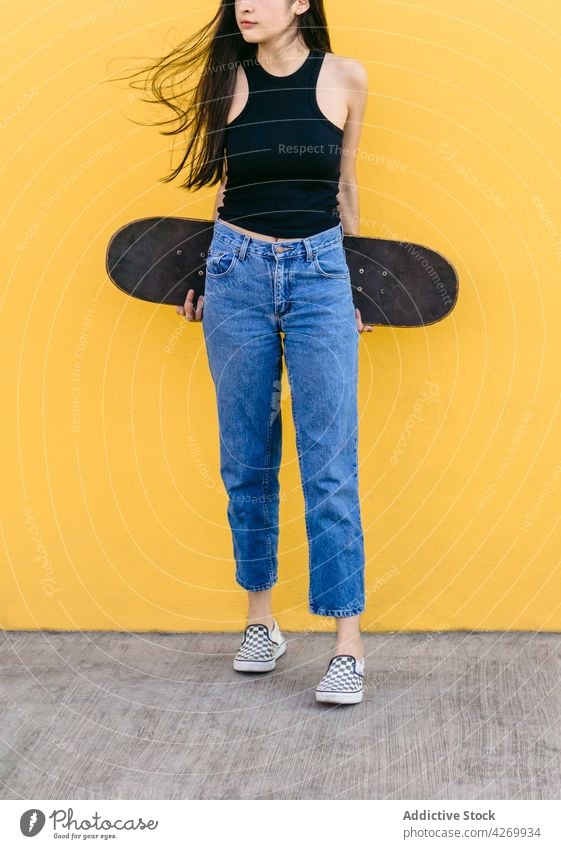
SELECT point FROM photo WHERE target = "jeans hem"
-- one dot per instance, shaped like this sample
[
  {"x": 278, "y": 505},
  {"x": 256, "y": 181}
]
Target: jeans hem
[
  {"x": 256, "y": 589},
  {"x": 352, "y": 612}
]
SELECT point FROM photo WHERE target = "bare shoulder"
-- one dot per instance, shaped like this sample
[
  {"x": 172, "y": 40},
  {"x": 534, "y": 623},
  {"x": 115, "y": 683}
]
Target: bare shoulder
[{"x": 352, "y": 71}]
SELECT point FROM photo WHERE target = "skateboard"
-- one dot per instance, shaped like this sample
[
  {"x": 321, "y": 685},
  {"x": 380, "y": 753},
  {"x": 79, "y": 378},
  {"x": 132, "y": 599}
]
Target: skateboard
[{"x": 394, "y": 284}]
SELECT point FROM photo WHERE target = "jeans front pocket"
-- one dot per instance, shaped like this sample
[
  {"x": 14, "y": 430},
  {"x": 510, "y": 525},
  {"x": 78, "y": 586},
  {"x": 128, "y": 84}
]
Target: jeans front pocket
[
  {"x": 331, "y": 261},
  {"x": 221, "y": 260}
]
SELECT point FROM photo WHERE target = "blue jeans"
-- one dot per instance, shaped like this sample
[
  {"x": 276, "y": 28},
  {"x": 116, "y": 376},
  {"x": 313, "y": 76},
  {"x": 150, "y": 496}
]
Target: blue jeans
[{"x": 256, "y": 290}]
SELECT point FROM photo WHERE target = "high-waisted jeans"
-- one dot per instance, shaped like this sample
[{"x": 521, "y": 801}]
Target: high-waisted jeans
[{"x": 256, "y": 290}]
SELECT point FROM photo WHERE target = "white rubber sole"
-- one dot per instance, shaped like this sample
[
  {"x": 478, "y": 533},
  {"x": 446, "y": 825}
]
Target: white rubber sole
[
  {"x": 339, "y": 698},
  {"x": 259, "y": 665}
]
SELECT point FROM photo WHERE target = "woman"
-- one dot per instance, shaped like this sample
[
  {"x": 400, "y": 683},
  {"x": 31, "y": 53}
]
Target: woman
[{"x": 281, "y": 116}]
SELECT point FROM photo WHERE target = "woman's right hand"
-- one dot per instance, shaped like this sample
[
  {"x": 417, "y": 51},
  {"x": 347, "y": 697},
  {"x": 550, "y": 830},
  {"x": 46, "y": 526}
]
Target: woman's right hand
[{"x": 188, "y": 309}]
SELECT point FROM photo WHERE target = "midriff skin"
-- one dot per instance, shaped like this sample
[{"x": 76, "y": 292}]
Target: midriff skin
[{"x": 257, "y": 235}]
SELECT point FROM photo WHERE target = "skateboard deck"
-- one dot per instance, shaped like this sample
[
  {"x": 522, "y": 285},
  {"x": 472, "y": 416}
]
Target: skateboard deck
[{"x": 395, "y": 284}]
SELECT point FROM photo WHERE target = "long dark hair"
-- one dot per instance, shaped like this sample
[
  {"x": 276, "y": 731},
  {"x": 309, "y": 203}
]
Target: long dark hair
[{"x": 215, "y": 51}]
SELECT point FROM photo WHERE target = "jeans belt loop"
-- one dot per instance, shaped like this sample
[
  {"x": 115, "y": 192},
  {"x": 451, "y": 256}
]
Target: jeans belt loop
[{"x": 243, "y": 247}]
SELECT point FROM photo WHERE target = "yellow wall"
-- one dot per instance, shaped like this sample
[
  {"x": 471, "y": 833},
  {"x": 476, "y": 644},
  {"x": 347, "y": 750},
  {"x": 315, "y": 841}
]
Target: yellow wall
[{"x": 113, "y": 513}]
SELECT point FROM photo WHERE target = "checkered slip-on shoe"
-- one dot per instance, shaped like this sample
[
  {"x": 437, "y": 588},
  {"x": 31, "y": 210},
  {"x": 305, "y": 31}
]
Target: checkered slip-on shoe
[
  {"x": 343, "y": 681},
  {"x": 260, "y": 648}
]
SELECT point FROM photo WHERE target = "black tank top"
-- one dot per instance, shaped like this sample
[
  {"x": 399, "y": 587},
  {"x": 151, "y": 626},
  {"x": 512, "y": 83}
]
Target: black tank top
[{"x": 283, "y": 156}]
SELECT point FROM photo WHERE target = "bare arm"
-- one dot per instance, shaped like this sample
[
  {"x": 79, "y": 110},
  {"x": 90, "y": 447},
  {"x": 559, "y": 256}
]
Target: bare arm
[
  {"x": 220, "y": 193},
  {"x": 219, "y": 200},
  {"x": 348, "y": 184},
  {"x": 357, "y": 83},
  {"x": 189, "y": 310}
]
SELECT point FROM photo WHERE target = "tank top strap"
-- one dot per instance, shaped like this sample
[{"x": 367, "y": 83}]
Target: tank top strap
[
  {"x": 316, "y": 57},
  {"x": 251, "y": 69}
]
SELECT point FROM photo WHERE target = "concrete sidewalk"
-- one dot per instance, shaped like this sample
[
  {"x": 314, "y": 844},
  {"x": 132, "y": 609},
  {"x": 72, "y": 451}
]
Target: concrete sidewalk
[{"x": 454, "y": 715}]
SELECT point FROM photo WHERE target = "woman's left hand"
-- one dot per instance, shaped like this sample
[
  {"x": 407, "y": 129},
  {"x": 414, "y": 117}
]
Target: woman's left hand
[{"x": 359, "y": 325}]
